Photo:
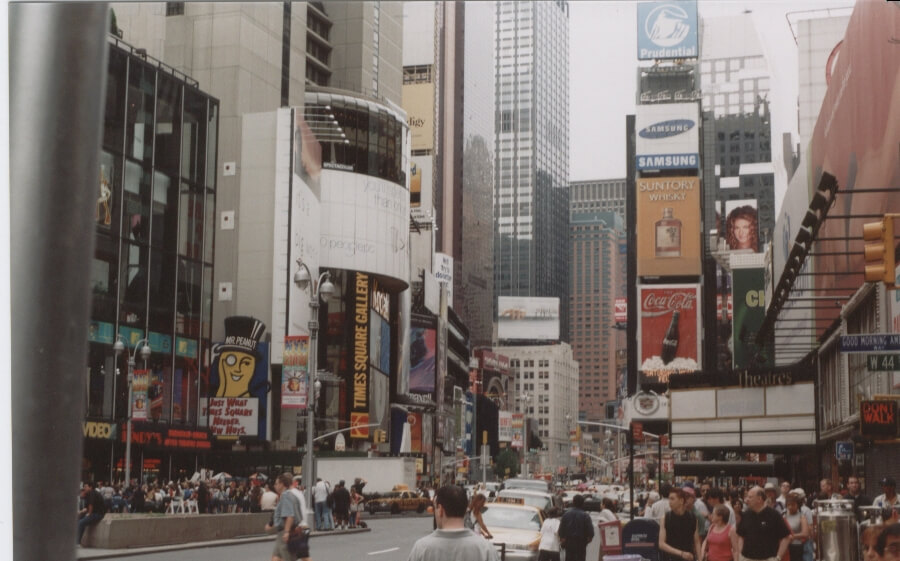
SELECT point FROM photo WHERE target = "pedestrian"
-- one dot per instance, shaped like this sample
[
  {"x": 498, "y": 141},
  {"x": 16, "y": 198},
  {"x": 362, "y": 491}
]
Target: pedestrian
[
  {"x": 607, "y": 508},
  {"x": 320, "y": 500},
  {"x": 285, "y": 515},
  {"x": 700, "y": 510},
  {"x": 357, "y": 503},
  {"x": 888, "y": 544},
  {"x": 659, "y": 509},
  {"x": 827, "y": 487},
  {"x": 341, "y": 498},
  {"x": 94, "y": 509},
  {"x": 763, "y": 535},
  {"x": 808, "y": 513},
  {"x": 452, "y": 541},
  {"x": 267, "y": 501},
  {"x": 716, "y": 497},
  {"x": 780, "y": 505},
  {"x": 799, "y": 527},
  {"x": 306, "y": 519},
  {"x": 854, "y": 493},
  {"x": 548, "y": 549},
  {"x": 721, "y": 542},
  {"x": 868, "y": 540},
  {"x": 678, "y": 535},
  {"x": 576, "y": 530},
  {"x": 888, "y": 498},
  {"x": 473, "y": 520}
]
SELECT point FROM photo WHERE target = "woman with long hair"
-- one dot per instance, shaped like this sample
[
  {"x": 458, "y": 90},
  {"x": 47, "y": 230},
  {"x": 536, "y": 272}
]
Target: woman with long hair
[
  {"x": 742, "y": 228},
  {"x": 473, "y": 519},
  {"x": 796, "y": 520}
]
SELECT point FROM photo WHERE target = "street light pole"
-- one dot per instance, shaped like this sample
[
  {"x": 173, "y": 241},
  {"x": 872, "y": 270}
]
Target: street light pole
[
  {"x": 145, "y": 351},
  {"x": 317, "y": 288}
]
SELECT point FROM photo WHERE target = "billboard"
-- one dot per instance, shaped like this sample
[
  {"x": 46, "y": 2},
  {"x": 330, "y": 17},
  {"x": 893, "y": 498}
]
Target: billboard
[
  {"x": 359, "y": 387},
  {"x": 295, "y": 372},
  {"x": 749, "y": 289},
  {"x": 856, "y": 135},
  {"x": 741, "y": 228},
  {"x": 418, "y": 102},
  {"x": 668, "y": 136},
  {"x": 139, "y": 387},
  {"x": 669, "y": 330},
  {"x": 443, "y": 273},
  {"x": 667, "y": 30},
  {"x": 668, "y": 220},
  {"x": 504, "y": 426},
  {"x": 621, "y": 313},
  {"x": 421, "y": 188},
  {"x": 422, "y": 355},
  {"x": 364, "y": 224},
  {"x": 517, "y": 426},
  {"x": 531, "y": 318}
]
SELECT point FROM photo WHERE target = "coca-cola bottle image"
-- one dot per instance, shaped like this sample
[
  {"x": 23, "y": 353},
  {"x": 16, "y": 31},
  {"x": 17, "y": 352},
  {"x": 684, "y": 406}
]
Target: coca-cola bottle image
[{"x": 670, "y": 341}]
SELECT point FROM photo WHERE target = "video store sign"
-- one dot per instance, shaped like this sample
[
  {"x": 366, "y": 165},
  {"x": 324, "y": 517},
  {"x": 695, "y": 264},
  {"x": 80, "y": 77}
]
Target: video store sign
[
  {"x": 669, "y": 331},
  {"x": 878, "y": 418}
]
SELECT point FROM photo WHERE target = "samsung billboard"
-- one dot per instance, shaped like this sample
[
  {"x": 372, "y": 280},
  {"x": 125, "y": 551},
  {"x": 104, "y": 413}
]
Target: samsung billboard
[
  {"x": 668, "y": 136},
  {"x": 667, "y": 30},
  {"x": 528, "y": 318}
]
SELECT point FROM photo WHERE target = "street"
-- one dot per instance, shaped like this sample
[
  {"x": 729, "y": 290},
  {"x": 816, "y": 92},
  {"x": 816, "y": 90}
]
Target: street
[{"x": 390, "y": 539}]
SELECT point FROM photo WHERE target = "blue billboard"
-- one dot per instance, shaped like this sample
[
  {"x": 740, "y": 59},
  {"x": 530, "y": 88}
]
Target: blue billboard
[{"x": 667, "y": 30}]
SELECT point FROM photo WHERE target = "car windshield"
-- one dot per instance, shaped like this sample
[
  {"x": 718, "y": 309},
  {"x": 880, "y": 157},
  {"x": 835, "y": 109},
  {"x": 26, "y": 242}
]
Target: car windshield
[{"x": 518, "y": 518}]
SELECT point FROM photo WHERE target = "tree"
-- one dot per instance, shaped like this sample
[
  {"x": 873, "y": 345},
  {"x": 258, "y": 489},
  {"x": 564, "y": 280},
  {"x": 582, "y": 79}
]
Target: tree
[{"x": 507, "y": 464}]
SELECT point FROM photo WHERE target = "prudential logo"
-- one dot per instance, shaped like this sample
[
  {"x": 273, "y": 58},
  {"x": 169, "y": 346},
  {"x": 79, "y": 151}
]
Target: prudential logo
[
  {"x": 667, "y": 25},
  {"x": 665, "y": 129}
]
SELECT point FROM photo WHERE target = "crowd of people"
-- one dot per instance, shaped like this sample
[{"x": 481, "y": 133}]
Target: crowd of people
[{"x": 766, "y": 523}]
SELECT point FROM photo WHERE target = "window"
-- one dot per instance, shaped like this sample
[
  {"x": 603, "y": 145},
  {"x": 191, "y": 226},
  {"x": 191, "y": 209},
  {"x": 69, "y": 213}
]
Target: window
[{"x": 174, "y": 8}]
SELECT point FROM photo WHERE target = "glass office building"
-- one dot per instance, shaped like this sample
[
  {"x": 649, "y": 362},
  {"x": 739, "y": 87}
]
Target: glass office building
[
  {"x": 153, "y": 261},
  {"x": 531, "y": 213}
]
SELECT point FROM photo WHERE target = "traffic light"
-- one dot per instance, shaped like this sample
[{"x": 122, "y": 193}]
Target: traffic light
[{"x": 879, "y": 251}]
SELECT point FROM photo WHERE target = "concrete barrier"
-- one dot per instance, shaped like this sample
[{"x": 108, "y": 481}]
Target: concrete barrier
[{"x": 121, "y": 531}]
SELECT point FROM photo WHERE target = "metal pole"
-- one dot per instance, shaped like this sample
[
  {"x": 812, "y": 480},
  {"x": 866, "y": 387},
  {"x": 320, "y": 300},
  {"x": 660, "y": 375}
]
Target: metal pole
[
  {"x": 57, "y": 79},
  {"x": 310, "y": 390},
  {"x": 128, "y": 424},
  {"x": 630, "y": 437}
]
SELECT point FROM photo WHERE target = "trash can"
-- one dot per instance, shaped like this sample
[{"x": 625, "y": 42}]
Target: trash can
[{"x": 837, "y": 536}]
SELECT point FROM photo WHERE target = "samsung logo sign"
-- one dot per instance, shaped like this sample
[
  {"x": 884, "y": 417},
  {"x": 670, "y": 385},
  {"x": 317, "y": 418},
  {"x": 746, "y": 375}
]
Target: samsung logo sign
[
  {"x": 666, "y": 129},
  {"x": 668, "y": 161}
]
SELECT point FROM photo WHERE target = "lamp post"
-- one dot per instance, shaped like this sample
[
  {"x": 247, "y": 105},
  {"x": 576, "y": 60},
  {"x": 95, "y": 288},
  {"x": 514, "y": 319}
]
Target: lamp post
[
  {"x": 523, "y": 397},
  {"x": 118, "y": 348},
  {"x": 321, "y": 287}
]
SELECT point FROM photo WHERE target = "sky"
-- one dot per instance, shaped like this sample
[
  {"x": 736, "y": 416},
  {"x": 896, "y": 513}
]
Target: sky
[{"x": 603, "y": 71}]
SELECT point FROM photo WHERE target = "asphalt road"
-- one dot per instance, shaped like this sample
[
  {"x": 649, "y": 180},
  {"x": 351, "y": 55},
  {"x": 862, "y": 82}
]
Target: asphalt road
[{"x": 390, "y": 539}]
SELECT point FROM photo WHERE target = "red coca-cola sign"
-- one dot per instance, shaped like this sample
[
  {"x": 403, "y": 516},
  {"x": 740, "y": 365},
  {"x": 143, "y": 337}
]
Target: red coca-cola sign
[{"x": 669, "y": 345}]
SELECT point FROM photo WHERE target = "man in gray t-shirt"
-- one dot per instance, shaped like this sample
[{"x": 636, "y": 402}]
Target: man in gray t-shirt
[{"x": 452, "y": 541}]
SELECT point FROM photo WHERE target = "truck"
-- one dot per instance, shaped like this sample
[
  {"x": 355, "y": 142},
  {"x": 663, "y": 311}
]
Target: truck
[{"x": 381, "y": 474}]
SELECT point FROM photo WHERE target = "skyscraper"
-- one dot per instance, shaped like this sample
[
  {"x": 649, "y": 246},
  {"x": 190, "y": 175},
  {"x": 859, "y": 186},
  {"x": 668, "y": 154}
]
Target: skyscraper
[
  {"x": 598, "y": 195},
  {"x": 532, "y": 155}
]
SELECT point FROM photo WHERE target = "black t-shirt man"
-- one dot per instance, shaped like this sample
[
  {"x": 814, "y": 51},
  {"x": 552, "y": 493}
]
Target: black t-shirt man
[
  {"x": 95, "y": 499},
  {"x": 762, "y": 531},
  {"x": 680, "y": 529}
]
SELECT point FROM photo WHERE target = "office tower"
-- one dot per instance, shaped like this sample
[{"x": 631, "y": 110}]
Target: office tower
[
  {"x": 532, "y": 154},
  {"x": 598, "y": 277},
  {"x": 597, "y": 195}
]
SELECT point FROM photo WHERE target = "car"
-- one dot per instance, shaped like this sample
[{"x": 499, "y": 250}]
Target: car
[
  {"x": 515, "y": 526},
  {"x": 401, "y": 499},
  {"x": 533, "y": 484},
  {"x": 543, "y": 501}
]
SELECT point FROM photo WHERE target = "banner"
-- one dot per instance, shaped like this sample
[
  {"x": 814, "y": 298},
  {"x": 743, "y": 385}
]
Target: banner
[
  {"x": 232, "y": 416},
  {"x": 504, "y": 426},
  {"x": 749, "y": 314},
  {"x": 139, "y": 402},
  {"x": 668, "y": 226},
  {"x": 295, "y": 372},
  {"x": 669, "y": 331},
  {"x": 518, "y": 430}
]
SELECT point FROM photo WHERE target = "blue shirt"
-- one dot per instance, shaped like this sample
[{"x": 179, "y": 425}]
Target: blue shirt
[{"x": 287, "y": 506}]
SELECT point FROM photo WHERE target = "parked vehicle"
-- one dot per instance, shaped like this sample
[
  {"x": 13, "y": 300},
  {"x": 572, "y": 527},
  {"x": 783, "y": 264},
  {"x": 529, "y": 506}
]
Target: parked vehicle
[
  {"x": 516, "y": 525},
  {"x": 537, "y": 499},
  {"x": 401, "y": 499}
]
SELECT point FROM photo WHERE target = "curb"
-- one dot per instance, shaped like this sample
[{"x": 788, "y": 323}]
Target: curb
[{"x": 87, "y": 553}]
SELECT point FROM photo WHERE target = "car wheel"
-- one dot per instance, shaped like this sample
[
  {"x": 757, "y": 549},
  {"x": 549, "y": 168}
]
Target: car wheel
[
  {"x": 421, "y": 508},
  {"x": 395, "y": 509}
]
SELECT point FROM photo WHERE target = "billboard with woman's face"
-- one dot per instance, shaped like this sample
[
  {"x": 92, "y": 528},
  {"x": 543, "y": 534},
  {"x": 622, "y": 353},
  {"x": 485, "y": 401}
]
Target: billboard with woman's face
[{"x": 741, "y": 231}]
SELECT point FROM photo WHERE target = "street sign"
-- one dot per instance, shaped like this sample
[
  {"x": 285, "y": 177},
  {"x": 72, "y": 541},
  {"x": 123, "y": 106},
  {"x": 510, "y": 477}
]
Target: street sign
[
  {"x": 870, "y": 343},
  {"x": 883, "y": 363},
  {"x": 843, "y": 450}
]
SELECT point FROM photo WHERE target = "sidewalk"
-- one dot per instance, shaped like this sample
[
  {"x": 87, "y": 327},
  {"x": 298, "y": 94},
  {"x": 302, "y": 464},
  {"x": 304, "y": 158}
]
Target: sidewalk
[{"x": 97, "y": 553}]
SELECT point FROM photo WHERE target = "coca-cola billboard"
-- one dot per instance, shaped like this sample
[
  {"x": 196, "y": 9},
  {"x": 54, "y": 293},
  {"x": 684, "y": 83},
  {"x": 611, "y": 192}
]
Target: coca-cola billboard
[{"x": 669, "y": 331}]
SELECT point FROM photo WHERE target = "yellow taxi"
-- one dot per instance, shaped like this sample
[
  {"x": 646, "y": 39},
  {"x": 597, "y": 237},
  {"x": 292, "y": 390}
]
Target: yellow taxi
[{"x": 515, "y": 524}]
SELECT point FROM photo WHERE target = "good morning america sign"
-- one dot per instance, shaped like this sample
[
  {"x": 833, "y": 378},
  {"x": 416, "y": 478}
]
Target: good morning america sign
[{"x": 667, "y": 30}]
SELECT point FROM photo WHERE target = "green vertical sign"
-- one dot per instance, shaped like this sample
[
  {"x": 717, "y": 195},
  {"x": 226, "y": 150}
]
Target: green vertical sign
[{"x": 749, "y": 294}]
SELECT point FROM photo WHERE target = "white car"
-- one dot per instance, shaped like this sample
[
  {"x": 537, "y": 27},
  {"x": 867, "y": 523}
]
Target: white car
[
  {"x": 543, "y": 501},
  {"x": 517, "y": 527}
]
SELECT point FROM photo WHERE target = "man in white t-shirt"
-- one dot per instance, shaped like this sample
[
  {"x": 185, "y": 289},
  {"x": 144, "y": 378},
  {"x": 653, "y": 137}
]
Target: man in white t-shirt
[
  {"x": 320, "y": 499},
  {"x": 659, "y": 509},
  {"x": 304, "y": 509}
]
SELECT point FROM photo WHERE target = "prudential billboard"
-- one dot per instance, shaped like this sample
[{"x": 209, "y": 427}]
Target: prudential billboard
[{"x": 667, "y": 30}]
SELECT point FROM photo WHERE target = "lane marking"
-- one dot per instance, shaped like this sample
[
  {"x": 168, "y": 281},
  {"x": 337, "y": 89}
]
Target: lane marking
[{"x": 383, "y": 551}]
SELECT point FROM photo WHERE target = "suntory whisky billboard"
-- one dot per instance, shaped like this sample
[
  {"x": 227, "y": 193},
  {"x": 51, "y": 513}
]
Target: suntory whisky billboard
[
  {"x": 668, "y": 226},
  {"x": 669, "y": 330}
]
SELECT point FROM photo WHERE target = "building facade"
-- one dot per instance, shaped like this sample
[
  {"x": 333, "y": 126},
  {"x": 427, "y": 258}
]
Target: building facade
[
  {"x": 598, "y": 278},
  {"x": 598, "y": 195},
  {"x": 546, "y": 391},
  {"x": 152, "y": 273},
  {"x": 532, "y": 151}
]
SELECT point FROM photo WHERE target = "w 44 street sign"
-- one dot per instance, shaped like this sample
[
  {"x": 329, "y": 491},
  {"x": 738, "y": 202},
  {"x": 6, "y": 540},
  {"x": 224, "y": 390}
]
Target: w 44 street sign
[{"x": 883, "y": 363}]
